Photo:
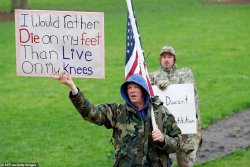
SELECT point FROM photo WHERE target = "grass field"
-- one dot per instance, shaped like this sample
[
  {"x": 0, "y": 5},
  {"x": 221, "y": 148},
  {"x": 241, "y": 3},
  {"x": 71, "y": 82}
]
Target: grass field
[{"x": 39, "y": 123}]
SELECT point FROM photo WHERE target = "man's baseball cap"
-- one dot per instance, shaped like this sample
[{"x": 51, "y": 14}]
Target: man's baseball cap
[{"x": 167, "y": 48}]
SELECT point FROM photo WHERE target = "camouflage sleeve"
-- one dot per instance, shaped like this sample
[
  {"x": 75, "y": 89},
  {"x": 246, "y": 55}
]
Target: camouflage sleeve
[
  {"x": 188, "y": 75},
  {"x": 101, "y": 114},
  {"x": 172, "y": 134}
]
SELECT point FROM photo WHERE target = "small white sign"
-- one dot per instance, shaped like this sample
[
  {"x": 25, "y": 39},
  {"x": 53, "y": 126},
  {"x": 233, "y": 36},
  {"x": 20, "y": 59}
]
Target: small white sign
[
  {"x": 179, "y": 100},
  {"x": 48, "y": 42}
]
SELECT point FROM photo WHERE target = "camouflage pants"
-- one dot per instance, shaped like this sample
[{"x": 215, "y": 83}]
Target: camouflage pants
[{"x": 186, "y": 159}]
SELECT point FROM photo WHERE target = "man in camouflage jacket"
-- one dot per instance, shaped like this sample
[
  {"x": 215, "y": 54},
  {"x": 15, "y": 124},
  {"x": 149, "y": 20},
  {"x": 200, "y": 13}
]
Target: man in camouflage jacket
[
  {"x": 169, "y": 74},
  {"x": 136, "y": 144}
]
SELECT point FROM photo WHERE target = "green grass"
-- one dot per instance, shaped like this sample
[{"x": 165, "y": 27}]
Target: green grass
[
  {"x": 238, "y": 158},
  {"x": 38, "y": 122}
]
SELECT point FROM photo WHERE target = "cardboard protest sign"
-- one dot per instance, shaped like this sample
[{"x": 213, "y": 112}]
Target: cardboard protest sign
[
  {"x": 179, "y": 100},
  {"x": 48, "y": 42}
]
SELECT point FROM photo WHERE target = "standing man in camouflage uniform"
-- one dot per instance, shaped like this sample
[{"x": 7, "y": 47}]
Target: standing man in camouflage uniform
[
  {"x": 136, "y": 144},
  {"x": 169, "y": 74}
]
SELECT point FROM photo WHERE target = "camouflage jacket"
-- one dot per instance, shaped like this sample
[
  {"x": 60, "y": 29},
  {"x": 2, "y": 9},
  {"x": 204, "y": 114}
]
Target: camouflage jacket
[
  {"x": 181, "y": 76},
  {"x": 132, "y": 137}
]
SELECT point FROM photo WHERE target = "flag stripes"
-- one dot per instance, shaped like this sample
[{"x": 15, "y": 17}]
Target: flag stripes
[{"x": 135, "y": 62}]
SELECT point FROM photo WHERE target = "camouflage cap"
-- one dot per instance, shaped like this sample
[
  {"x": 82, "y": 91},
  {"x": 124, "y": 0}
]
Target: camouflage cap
[{"x": 168, "y": 48}]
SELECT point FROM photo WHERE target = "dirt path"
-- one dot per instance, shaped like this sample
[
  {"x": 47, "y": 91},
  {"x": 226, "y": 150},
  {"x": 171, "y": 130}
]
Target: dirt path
[{"x": 225, "y": 136}]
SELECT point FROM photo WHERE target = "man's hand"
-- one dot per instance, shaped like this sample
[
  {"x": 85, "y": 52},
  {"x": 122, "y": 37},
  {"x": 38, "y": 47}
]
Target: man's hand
[
  {"x": 163, "y": 84},
  {"x": 158, "y": 136},
  {"x": 66, "y": 79}
]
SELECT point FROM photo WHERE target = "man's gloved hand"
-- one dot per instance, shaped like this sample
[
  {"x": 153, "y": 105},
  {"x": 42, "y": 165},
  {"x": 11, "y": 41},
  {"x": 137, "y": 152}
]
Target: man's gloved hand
[{"x": 163, "y": 84}]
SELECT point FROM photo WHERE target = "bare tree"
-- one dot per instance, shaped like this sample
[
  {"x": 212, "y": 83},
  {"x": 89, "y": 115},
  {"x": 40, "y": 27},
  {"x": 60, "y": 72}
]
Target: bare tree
[{"x": 18, "y": 4}]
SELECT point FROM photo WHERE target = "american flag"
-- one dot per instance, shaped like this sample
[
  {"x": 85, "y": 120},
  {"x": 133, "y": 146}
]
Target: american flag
[{"x": 135, "y": 62}]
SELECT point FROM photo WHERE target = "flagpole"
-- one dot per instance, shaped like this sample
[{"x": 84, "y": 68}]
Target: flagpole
[
  {"x": 140, "y": 51},
  {"x": 153, "y": 119},
  {"x": 136, "y": 34}
]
